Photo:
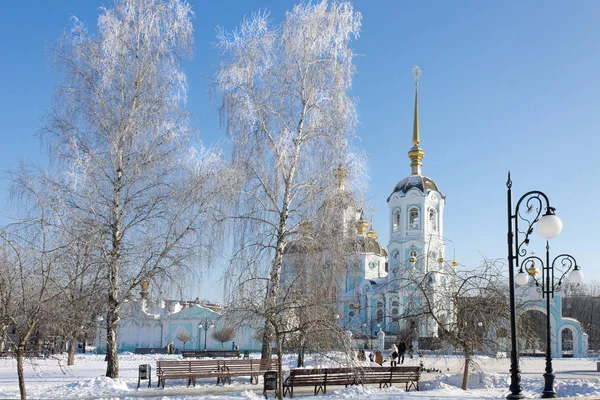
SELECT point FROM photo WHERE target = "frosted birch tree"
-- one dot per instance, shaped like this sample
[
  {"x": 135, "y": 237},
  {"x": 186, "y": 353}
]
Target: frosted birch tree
[
  {"x": 120, "y": 135},
  {"x": 286, "y": 108}
]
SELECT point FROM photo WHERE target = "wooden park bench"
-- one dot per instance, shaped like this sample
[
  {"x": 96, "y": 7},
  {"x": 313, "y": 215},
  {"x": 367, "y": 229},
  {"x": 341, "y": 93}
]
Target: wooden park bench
[
  {"x": 321, "y": 377},
  {"x": 188, "y": 369},
  {"x": 249, "y": 367},
  {"x": 210, "y": 353},
  {"x": 223, "y": 370},
  {"x": 386, "y": 376}
]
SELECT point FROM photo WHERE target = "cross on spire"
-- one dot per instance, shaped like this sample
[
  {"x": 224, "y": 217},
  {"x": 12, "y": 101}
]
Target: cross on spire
[{"x": 417, "y": 71}]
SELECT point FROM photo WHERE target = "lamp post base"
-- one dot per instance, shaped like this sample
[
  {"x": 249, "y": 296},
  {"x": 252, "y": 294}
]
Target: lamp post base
[
  {"x": 548, "y": 392},
  {"x": 515, "y": 384}
]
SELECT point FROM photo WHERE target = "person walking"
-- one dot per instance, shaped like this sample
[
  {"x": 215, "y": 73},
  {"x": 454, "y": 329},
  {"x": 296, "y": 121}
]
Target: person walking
[
  {"x": 361, "y": 355},
  {"x": 401, "y": 351},
  {"x": 378, "y": 358},
  {"x": 394, "y": 355}
]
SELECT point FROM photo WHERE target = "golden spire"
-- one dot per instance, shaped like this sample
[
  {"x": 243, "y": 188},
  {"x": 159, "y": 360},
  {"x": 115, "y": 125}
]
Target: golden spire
[
  {"x": 416, "y": 154},
  {"x": 416, "y": 132},
  {"x": 371, "y": 233}
]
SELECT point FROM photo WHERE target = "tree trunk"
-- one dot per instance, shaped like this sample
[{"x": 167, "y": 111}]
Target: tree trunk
[
  {"x": 301, "y": 349},
  {"x": 20, "y": 353},
  {"x": 72, "y": 347},
  {"x": 465, "y": 380},
  {"x": 112, "y": 358},
  {"x": 112, "y": 323},
  {"x": 267, "y": 342},
  {"x": 273, "y": 290},
  {"x": 279, "y": 368}
]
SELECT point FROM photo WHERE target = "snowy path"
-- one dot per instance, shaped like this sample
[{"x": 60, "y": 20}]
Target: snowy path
[{"x": 51, "y": 379}]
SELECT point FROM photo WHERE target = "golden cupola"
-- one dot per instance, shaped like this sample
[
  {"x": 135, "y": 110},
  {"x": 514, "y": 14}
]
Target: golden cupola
[
  {"x": 361, "y": 225},
  {"x": 371, "y": 233}
]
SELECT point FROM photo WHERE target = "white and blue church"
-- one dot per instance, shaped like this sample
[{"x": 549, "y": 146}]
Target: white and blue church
[{"x": 377, "y": 293}]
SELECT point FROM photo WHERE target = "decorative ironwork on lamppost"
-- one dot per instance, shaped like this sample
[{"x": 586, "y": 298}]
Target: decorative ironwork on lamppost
[
  {"x": 206, "y": 324},
  {"x": 563, "y": 263},
  {"x": 548, "y": 227}
]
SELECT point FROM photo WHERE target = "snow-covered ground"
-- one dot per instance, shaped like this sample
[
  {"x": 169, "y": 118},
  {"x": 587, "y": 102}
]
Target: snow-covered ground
[{"x": 51, "y": 378}]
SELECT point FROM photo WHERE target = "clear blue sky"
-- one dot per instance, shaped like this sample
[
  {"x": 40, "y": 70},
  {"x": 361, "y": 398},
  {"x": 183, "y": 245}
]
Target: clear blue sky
[{"x": 505, "y": 85}]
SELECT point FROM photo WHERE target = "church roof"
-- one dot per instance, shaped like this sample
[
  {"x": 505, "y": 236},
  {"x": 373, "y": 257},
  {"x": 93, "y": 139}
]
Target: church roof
[
  {"x": 357, "y": 244},
  {"x": 368, "y": 244},
  {"x": 420, "y": 182}
]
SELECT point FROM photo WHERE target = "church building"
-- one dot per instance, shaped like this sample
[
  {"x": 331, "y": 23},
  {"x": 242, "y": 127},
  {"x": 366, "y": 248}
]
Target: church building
[{"x": 383, "y": 288}]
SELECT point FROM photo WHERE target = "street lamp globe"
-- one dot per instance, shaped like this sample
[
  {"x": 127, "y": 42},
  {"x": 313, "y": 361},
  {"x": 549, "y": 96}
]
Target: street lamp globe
[
  {"x": 576, "y": 276},
  {"x": 549, "y": 226},
  {"x": 521, "y": 278}
]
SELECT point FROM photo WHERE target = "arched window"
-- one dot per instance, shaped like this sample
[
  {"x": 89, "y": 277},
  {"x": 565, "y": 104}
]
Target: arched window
[
  {"x": 396, "y": 219},
  {"x": 413, "y": 218},
  {"x": 433, "y": 220},
  {"x": 413, "y": 254},
  {"x": 379, "y": 316}
]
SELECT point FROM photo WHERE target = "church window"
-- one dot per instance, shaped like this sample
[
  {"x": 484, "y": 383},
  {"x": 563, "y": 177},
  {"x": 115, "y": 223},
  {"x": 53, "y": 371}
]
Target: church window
[
  {"x": 351, "y": 314},
  {"x": 379, "y": 316},
  {"x": 413, "y": 254},
  {"x": 379, "y": 304},
  {"x": 396, "y": 219},
  {"x": 433, "y": 220},
  {"x": 413, "y": 218},
  {"x": 395, "y": 303}
]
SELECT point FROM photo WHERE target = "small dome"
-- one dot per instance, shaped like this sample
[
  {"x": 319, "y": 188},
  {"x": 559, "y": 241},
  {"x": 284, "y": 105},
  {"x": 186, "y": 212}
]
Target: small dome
[
  {"x": 367, "y": 244},
  {"x": 422, "y": 183}
]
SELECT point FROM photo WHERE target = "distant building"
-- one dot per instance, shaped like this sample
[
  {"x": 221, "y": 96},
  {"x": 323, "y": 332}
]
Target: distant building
[{"x": 144, "y": 325}]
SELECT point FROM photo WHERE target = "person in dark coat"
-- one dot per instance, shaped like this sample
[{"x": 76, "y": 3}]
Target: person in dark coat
[
  {"x": 361, "y": 355},
  {"x": 401, "y": 351}
]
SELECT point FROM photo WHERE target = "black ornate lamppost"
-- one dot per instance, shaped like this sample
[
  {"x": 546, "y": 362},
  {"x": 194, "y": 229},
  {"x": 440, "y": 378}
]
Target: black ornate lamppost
[
  {"x": 563, "y": 264},
  {"x": 548, "y": 226},
  {"x": 206, "y": 324}
]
